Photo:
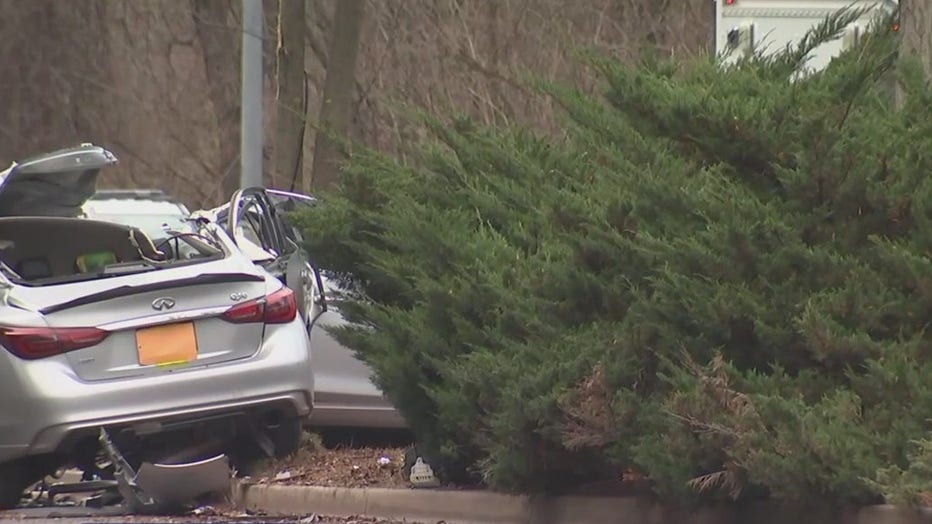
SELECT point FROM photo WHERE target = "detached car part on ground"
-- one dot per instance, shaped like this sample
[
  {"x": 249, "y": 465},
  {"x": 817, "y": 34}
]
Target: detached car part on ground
[
  {"x": 180, "y": 347},
  {"x": 345, "y": 395}
]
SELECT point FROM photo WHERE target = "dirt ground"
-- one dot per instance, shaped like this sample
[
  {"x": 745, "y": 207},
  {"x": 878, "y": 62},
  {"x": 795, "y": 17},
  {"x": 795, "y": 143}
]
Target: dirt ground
[
  {"x": 340, "y": 466},
  {"x": 380, "y": 466}
]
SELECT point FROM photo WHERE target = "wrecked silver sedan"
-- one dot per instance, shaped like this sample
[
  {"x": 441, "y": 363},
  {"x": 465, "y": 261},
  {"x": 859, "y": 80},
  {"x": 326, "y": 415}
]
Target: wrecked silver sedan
[
  {"x": 170, "y": 349},
  {"x": 345, "y": 395}
]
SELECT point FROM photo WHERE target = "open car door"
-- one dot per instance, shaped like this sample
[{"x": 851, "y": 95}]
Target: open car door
[
  {"x": 344, "y": 393},
  {"x": 260, "y": 228},
  {"x": 286, "y": 202}
]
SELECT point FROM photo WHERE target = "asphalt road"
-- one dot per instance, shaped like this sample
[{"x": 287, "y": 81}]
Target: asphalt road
[
  {"x": 180, "y": 520},
  {"x": 11, "y": 517},
  {"x": 76, "y": 515}
]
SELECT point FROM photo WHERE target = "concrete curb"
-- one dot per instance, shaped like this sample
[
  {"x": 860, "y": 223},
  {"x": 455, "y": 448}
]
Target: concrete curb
[
  {"x": 482, "y": 507},
  {"x": 452, "y": 507}
]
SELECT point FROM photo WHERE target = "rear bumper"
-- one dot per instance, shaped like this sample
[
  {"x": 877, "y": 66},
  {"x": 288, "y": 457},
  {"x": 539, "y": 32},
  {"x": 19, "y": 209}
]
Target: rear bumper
[
  {"x": 56, "y": 406},
  {"x": 54, "y": 438}
]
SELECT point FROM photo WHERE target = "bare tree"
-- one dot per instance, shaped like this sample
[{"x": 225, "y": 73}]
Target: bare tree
[
  {"x": 158, "y": 82},
  {"x": 336, "y": 109},
  {"x": 916, "y": 30},
  {"x": 291, "y": 96},
  {"x": 216, "y": 21},
  {"x": 915, "y": 27}
]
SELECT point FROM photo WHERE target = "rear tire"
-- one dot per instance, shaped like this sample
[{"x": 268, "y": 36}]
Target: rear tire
[
  {"x": 248, "y": 457},
  {"x": 15, "y": 477},
  {"x": 287, "y": 437},
  {"x": 11, "y": 490}
]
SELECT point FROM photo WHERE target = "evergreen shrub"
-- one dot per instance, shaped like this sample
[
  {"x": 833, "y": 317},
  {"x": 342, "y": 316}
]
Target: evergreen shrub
[{"x": 718, "y": 276}]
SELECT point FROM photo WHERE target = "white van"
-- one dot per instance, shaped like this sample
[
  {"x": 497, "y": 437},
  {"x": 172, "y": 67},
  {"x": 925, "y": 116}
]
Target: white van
[{"x": 745, "y": 26}]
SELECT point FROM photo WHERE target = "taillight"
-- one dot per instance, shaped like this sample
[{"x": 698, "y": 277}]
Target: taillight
[
  {"x": 32, "y": 343},
  {"x": 278, "y": 308},
  {"x": 252, "y": 311}
]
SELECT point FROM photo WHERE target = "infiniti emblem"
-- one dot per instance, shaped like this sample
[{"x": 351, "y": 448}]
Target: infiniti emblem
[{"x": 163, "y": 303}]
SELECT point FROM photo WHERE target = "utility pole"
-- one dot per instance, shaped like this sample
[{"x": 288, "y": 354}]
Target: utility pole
[{"x": 251, "y": 107}]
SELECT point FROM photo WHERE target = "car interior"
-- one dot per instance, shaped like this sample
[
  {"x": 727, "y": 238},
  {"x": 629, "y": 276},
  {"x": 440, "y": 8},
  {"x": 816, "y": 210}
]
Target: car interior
[{"x": 40, "y": 248}]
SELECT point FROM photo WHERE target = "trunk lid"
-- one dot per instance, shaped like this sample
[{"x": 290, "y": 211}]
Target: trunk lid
[
  {"x": 53, "y": 184},
  {"x": 158, "y": 322}
]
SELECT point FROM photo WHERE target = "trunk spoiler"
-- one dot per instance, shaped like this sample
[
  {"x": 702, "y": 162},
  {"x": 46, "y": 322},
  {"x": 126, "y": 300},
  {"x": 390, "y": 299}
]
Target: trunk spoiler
[{"x": 122, "y": 291}]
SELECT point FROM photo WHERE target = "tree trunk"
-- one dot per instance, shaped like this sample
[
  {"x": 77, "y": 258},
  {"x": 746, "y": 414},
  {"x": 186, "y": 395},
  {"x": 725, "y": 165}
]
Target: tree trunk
[
  {"x": 916, "y": 31},
  {"x": 337, "y": 103},
  {"x": 217, "y": 21},
  {"x": 915, "y": 39},
  {"x": 291, "y": 100}
]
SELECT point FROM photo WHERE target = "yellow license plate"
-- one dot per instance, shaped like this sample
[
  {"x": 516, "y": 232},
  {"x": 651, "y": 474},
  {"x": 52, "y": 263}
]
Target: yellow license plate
[{"x": 167, "y": 345}]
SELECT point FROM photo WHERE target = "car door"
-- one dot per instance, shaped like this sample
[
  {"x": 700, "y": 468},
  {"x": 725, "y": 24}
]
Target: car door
[
  {"x": 262, "y": 232},
  {"x": 285, "y": 203},
  {"x": 345, "y": 394}
]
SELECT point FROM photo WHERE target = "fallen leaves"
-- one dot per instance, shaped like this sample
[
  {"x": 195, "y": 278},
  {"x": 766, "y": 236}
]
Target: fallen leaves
[{"x": 341, "y": 467}]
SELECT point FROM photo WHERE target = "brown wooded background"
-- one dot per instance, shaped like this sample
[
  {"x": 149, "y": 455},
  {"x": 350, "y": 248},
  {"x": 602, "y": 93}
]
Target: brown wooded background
[{"x": 158, "y": 81}]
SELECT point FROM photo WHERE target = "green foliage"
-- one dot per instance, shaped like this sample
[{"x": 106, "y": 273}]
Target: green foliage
[
  {"x": 720, "y": 278},
  {"x": 912, "y": 486}
]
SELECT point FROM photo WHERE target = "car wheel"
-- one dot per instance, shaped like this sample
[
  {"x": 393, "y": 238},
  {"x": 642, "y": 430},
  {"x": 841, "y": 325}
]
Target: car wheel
[
  {"x": 286, "y": 436},
  {"x": 246, "y": 458},
  {"x": 247, "y": 455},
  {"x": 14, "y": 479}
]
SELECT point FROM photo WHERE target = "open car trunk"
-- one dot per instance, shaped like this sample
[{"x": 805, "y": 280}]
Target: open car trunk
[
  {"x": 50, "y": 250},
  {"x": 112, "y": 312}
]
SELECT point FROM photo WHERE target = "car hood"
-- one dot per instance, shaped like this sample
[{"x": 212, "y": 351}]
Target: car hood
[{"x": 53, "y": 184}]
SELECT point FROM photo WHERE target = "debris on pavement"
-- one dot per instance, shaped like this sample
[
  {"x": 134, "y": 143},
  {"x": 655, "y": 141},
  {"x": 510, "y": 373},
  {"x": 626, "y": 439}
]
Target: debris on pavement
[
  {"x": 64, "y": 517},
  {"x": 284, "y": 475},
  {"x": 149, "y": 489},
  {"x": 60, "y": 497},
  {"x": 156, "y": 488}
]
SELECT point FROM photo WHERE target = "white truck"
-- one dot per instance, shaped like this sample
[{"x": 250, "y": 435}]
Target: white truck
[{"x": 745, "y": 26}]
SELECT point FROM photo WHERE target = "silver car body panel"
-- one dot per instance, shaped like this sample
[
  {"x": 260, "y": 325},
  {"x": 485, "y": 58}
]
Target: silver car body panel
[{"x": 345, "y": 394}]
